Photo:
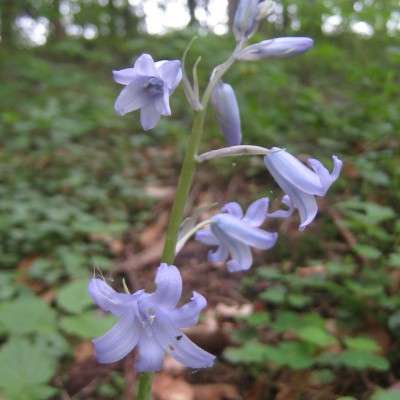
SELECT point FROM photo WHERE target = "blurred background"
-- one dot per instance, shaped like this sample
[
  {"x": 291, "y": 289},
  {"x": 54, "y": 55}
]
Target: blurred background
[{"x": 317, "y": 317}]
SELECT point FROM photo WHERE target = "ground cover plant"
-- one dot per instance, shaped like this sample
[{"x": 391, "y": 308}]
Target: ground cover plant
[{"x": 83, "y": 187}]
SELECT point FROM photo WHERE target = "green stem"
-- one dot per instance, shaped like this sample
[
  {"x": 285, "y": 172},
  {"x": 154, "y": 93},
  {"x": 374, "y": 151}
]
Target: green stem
[
  {"x": 145, "y": 385},
  {"x": 182, "y": 193}
]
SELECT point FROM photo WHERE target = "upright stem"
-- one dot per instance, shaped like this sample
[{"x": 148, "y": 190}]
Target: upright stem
[{"x": 182, "y": 193}]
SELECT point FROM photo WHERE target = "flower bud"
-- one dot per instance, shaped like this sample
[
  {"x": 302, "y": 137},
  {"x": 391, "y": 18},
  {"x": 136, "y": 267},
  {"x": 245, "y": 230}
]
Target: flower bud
[
  {"x": 225, "y": 104},
  {"x": 265, "y": 9},
  {"x": 274, "y": 49},
  {"x": 245, "y": 22}
]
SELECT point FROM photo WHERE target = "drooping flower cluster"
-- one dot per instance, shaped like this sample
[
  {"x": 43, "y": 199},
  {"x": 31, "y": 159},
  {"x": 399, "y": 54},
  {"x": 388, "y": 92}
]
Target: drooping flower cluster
[{"x": 150, "y": 321}]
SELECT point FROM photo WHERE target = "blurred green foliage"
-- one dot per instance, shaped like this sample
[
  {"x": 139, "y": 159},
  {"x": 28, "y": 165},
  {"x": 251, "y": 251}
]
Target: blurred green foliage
[{"x": 73, "y": 172}]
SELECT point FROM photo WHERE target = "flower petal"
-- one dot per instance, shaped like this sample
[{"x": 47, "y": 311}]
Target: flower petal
[
  {"x": 133, "y": 97},
  {"x": 188, "y": 314},
  {"x": 233, "y": 208},
  {"x": 149, "y": 116},
  {"x": 170, "y": 72},
  {"x": 218, "y": 255},
  {"x": 119, "y": 340},
  {"x": 107, "y": 298},
  {"x": 179, "y": 346},
  {"x": 205, "y": 236},
  {"x": 257, "y": 212},
  {"x": 161, "y": 103},
  {"x": 286, "y": 168},
  {"x": 240, "y": 231},
  {"x": 125, "y": 76},
  {"x": 151, "y": 354},
  {"x": 169, "y": 286},
  {"x": 239, "y": 251},
  {"x": 286, "y": 200},
  {"x": 144, "y": 65}
]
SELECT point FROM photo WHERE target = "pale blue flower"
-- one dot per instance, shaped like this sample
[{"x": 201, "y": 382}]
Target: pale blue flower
[
  {"x": 226, "y": 106},
  {"x": 234, "y": 234},
  {"x": 300, "y": 183},
  {"x": 274, "y": 49},
  {"x": 148, "y": 87},
  {"x": 151, "y": 322}
]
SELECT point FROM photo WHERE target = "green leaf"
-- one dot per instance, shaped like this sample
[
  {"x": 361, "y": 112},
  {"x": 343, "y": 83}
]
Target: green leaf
[
  {"x": 87, "y": 325},
  {"x": 316, "y": 335},
  {"x": 293, "y": 354},
  {"x": 361, "y": 343},
  {"x": 299, "y": 300},
  {"x": 25, "y": 371},
  {"x": 275, "y": 294},
  {"x": 382, "y": 394},
  {"x": 368, "y": 251},
  {"x": 27, "y": 314},
  {"x": 252, "y": 352},
  {"x": 74, "y": 297},
  {"x": 257, "y": 319},
  {"x": 361, "y": 360}
]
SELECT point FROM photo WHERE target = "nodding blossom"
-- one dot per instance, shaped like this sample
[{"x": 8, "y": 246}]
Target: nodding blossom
[
  {"x": 226, "y": 106},
  {"x": 234, "y": 234},
  {"x": 300, "y": 183},
  {"x": 150, "y": 321},
  {"x": 274, "y": 49},
  {"x": 148, "y": 87}
]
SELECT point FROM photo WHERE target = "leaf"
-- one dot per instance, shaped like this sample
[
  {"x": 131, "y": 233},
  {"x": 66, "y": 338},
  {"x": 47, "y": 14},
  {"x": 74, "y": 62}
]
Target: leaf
[
  {"x": 275, "y": 294},
  {"x": 87, "y": 325},
  {"x": 252, "y": 352},
  {"x": 381, "y": 394},
  {"x": 293, "y": 354},
  {"x": 24, "y": 371},
  {"x": 316, "y": 335},
  {"x": 75, "y": 297},
  {"x": 27, "y": 314},
  {"x": 362, "y": 343}
]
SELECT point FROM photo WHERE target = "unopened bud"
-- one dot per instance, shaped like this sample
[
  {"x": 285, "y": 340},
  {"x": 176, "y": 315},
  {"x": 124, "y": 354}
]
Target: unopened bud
[
  {"x": 226, "y": 106},
  {"x": 245, "y": 22},
  {"x": 265, "y": 9},
  {"x": 275, "y": 49}
]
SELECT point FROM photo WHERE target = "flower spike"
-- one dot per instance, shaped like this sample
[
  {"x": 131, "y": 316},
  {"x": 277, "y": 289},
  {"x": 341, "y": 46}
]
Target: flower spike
[
  {"x": 300, "y": 183},
  {"x": 148, "y": 87},
  {"x": 150, "y": 321}
]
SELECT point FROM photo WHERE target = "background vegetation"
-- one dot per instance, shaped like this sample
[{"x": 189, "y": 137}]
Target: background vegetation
[{"x": 80, "y": 185}]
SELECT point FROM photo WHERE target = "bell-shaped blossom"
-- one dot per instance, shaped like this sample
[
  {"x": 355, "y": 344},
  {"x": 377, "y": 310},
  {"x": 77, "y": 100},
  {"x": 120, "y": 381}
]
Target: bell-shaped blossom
[
  {"x": 148, "y": 87},
  {"x": 226, "y": 106},
  {"x": 234, "y": 233},
  {"x": 150, "y": 321},
  {"x": 274, "y": 49},
  {"x": 300, "y": 183}
]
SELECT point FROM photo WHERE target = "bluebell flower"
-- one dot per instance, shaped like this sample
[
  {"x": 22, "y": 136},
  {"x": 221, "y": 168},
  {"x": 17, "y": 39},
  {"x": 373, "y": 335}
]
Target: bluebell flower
[
  {"x": 234, "y": 234},
  {"x": 148, "y": 87},
  {"x": 274, "y": 49},
  {"x": 151, "y": 322},
  {"x": 300, "y": 183},
  {"x": 226, "y": 106}
]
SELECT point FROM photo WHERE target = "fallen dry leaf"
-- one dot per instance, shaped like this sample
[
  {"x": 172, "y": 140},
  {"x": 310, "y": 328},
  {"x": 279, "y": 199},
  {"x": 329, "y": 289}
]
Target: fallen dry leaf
[
  {"x": 216, "y": 391},
  {"x": 166, "y": 387}
]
